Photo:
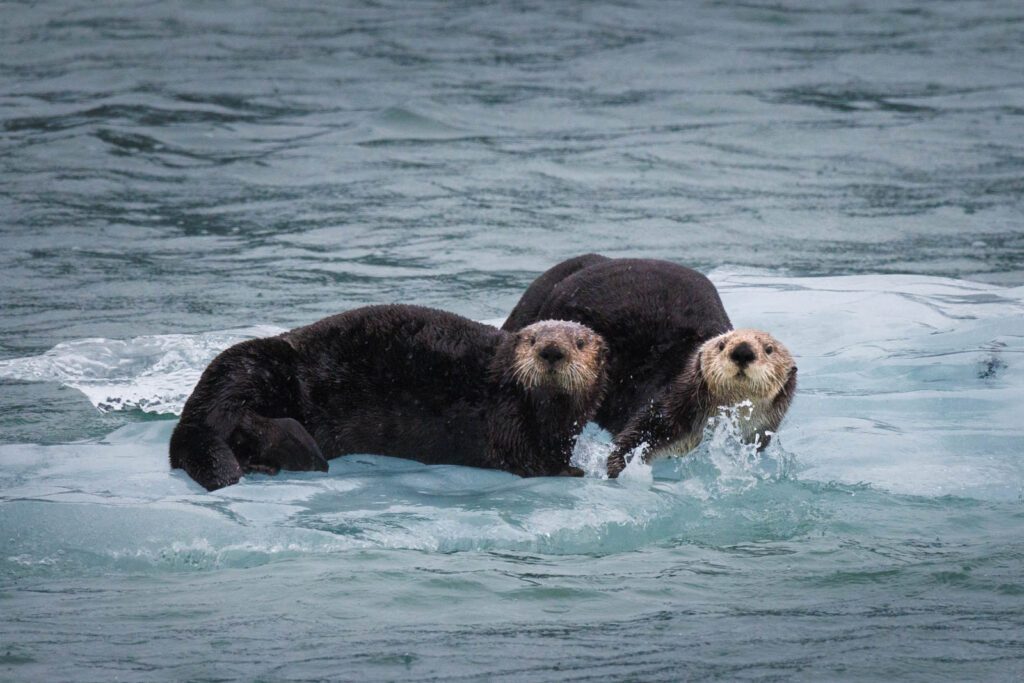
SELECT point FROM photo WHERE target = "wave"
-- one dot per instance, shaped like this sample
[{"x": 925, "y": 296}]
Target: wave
[{"x": 154, "y": 373}]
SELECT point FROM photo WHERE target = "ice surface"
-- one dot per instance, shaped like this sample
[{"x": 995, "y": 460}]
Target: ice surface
[
  {"x": 154, "y": 373},
  {"x": 909, "y": 384}
]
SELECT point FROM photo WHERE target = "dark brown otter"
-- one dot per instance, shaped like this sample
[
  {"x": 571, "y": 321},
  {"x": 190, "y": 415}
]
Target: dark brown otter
[
  {"x": 665, "y": 376},
  {"x": 396, "y": 380}
]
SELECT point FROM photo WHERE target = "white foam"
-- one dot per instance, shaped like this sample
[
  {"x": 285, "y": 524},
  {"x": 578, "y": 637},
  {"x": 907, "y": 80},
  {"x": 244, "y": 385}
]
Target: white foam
[{"x": 153, "y": 373}]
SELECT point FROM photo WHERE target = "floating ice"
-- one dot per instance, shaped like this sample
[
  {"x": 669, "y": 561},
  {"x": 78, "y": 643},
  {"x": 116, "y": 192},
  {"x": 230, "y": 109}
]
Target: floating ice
[{"x": 911, "y": 384}]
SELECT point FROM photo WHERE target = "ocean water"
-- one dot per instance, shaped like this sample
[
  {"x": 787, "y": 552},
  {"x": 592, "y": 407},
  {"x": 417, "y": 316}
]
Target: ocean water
[{"x": 175, "y": 177}]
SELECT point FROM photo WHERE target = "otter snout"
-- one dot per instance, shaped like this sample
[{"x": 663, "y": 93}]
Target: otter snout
[
  {"x": 551, "y": 354},
  {"x": 743, "y": 355}
]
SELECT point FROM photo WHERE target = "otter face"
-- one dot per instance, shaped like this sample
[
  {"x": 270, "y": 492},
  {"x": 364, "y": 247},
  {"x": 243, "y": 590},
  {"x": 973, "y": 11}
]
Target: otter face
[
  {"x": 559, "y": 354},
  {"x": 745, "y": 364}
]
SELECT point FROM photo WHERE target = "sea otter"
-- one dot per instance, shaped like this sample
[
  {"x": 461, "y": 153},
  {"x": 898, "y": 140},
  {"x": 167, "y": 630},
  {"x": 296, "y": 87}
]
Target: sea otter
[
  {"x": 396, "y": 380},
  {"x": 675, "y": 357}
]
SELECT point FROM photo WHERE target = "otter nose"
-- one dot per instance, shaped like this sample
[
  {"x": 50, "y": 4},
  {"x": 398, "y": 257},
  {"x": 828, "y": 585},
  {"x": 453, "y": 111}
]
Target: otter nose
[
  {"x": 552, "y": 353},
  {"x": 742, "y": 354}
]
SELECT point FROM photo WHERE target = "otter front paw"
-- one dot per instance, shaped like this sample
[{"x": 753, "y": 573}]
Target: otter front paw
[
  {"x": 286, "y": 445},
  {"x": 616, "y": 463},
  {"x": 256, "y": 468},
  {"x": 571, "y": 471}
]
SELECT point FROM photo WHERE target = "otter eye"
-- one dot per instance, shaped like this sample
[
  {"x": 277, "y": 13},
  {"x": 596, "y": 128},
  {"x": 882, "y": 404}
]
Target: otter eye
[
  {"x": 533, "y": 340},
  {"x": 580, "y": 343},
  {"x": 721, "y": 346},
  {"x": 769, "y": 349}
]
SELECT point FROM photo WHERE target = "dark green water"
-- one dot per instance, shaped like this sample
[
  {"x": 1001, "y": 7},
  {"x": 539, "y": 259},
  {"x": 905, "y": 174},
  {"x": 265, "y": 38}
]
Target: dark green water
[{"x": 177, "y": 176}]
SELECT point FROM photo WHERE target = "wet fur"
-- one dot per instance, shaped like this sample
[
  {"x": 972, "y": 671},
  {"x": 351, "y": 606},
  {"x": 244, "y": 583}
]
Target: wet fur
[
  {"x": 675, "y": 422},
  {"x": 583, "y": 367},
  {"x": 655, "y": 317},
  {"x": 391, "y": 380}
]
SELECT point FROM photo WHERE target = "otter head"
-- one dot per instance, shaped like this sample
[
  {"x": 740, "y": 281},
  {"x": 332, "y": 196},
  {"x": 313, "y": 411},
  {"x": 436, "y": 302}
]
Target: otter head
[
  {"x": 560, "y": 355},
  {"x": 745, "y": 365}
]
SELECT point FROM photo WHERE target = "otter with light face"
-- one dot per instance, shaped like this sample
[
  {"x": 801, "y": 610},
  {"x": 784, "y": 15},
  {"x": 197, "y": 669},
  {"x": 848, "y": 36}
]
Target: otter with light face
[
  {"x": 404, "y": 381},
  {"x": 561, "y": 354},
  {"x": 675, "y": 357},
  {"x": 746, "y": 368}
]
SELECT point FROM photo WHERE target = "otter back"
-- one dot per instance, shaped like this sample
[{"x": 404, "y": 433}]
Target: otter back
[{"x": 653, "y": 314}]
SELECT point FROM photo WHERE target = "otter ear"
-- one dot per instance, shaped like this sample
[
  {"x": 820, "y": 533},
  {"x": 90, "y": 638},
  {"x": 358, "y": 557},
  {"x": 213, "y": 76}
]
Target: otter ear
[{"x": 785, "y": 394}]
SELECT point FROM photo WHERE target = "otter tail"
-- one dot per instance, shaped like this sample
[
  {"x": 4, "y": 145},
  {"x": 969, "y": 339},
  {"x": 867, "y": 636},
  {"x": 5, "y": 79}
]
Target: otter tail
[{"x": 243, "y": 416}]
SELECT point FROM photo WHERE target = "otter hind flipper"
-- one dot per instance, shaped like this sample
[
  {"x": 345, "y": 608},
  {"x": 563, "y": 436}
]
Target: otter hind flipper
[
  {"x": 258, "y": 445},
  {"x": 204, "y": 456},
  {"x": 223, "y": 432},
  {"x": 284, "y": 444}
]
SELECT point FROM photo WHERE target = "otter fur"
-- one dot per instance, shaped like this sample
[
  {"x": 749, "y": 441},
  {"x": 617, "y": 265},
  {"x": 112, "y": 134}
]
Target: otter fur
[
  {"x": 396, "y": 380},
  {"x": 675, "y": 357}
]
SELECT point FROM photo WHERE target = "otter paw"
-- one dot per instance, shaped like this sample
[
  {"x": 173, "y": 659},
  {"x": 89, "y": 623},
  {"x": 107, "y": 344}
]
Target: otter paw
[
  {"x": 286, "y": 445},
  {"x": 616, "y": 463},
  {"x": 258, "y": 468}
]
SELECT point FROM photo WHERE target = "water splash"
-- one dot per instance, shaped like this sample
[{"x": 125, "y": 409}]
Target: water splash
[
  {"x": 742, "y": 464},
  {"x": 592, "y": 450},
  {"x": 638, "y": 472}
]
